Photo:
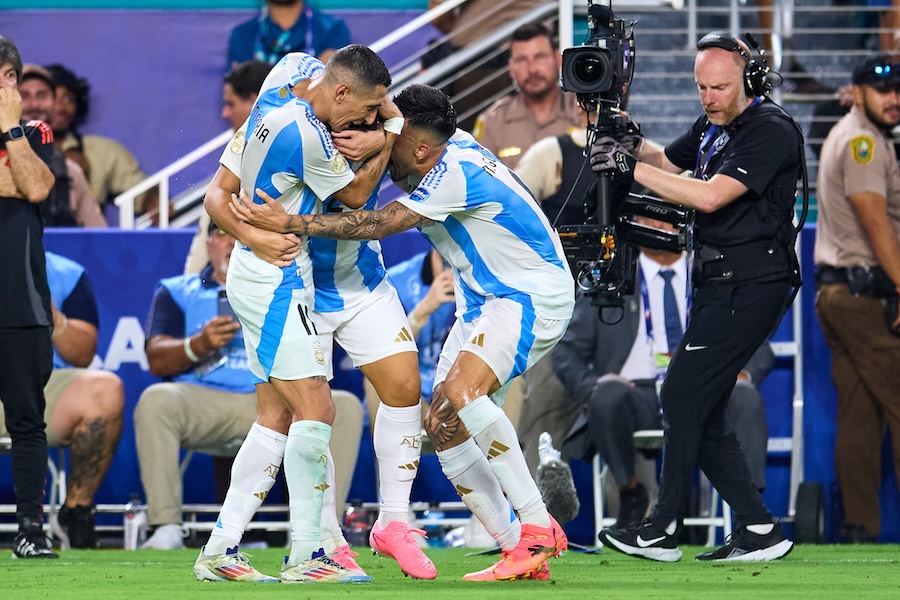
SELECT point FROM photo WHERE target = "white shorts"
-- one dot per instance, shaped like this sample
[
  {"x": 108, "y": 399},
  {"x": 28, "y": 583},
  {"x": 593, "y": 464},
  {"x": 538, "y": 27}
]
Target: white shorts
[
  {"x": 507, "y": 336},
  {"x": 274, "y": 308},
  {"x": 368, "y": 331}
]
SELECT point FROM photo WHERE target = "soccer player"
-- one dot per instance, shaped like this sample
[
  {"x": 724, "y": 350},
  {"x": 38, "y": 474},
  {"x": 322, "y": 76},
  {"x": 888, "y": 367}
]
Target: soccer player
[
  {"x": 289, "y": 152},
  {"x": 514, "y": 300}
]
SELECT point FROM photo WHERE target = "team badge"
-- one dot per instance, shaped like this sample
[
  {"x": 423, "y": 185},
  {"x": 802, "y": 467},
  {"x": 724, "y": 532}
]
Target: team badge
[
  {"x": 319, "y": 354},
  {"x": 340, "y": 164},
  {"x": 863, "y": 149},
  {"x": 237, "y": 143},
  {"x": 283, "y": 92}
]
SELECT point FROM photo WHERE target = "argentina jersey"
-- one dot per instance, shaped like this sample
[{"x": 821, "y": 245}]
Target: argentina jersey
[
  {"x": 493, "y": 233},
  {"x": 289, "y": 153},
  {"x": 345, "y": 271}
]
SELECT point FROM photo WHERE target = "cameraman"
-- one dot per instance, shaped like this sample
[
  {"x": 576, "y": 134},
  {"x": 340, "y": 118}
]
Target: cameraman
[{"x": 746, "y": 157}]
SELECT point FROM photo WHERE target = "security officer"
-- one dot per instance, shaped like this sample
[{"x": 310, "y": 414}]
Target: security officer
[
  {"x": 541, "y": 109},
  {"x": 857, "y": 258},
  {"x": 746, "y": 155}
]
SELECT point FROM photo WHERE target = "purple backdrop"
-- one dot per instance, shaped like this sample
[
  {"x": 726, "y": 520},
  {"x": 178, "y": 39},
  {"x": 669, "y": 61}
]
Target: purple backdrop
[{"x": 156, "y": 75}]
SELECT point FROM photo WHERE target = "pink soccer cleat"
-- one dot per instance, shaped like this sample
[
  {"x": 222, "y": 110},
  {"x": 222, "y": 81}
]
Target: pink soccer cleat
[
  {"x": 536, "y": 545},
  {"x": 397, "y": 541}
]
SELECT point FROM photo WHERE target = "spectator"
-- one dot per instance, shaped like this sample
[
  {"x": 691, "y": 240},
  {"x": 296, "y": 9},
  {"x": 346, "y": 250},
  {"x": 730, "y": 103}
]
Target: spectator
[
  {"x": 207, "y": 402},
  {"x": 540, "y": 108},
  {"x": 612, "y": 372},
  {"x": 84, "y": 407},
  {"x": 796, "y": 79},
  {"x": 109, "y": 167},
  {"x": 70, "y": 203},
  {"x": 888, "y": 25},
  {"x": 239, "y": 91},
  {"x": 26, "y": 319},
  {"x": 857, "y": 257},
  {"x": 285, "y": 26}
]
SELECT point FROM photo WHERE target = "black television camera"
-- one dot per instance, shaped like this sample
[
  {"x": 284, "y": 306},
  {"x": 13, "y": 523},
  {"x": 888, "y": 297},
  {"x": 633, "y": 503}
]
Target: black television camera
[{"x": 603, "y": 256}]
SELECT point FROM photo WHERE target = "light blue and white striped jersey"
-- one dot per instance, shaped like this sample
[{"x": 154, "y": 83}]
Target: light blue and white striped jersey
[
  {"x": 493, "y": 233},
  {"x": 344, "y": 272}
]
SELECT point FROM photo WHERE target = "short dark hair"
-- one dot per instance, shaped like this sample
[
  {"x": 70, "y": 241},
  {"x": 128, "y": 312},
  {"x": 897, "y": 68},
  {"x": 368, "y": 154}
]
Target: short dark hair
[
  {"x": 246, "y": 78},
  {"x": 10, "y": 54},
  {"x": 79, "y": 87},
  {"x": 362, "y": 64},
  {"x": 428, "y": 108},
  {"x": 529, "y": 31}
]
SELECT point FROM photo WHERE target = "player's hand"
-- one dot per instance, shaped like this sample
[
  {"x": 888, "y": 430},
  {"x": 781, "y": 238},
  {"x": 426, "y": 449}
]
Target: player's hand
[
  {"x": 609, "y": 156},
  {"x": 388, "y": 110},
  {"x": 269, "y": 216},
  {"x": 279, "y": 249},
  {"x": 217, "y": 332},
  {"x": 10, "y": 108},
  {"x": 357, "y": 145}
]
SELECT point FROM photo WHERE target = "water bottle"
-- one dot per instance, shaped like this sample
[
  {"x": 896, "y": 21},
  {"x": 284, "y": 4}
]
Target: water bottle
[
  {"x": 135, "y": 523},
  {"x": 357, "y": 525},
  {"x": 546, "y": 452},
  {"x": 434, "y": 526}
]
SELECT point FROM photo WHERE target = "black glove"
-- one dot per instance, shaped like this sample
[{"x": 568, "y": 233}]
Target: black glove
[
  {"x": 633, "y": 137},
  {"x": 610, "y": 156}
]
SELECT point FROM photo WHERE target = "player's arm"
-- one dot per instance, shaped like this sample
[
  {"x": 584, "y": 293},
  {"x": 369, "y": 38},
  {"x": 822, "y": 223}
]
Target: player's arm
[
  {"x": 279, "y": 250},
  {"x": 356, "y": 225},
  {"x": 370, "y": 172}
]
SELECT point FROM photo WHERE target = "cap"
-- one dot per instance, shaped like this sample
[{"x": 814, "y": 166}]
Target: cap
[
  {"x": 32, "y": 71},
  {"x": 879, "y": 71}
]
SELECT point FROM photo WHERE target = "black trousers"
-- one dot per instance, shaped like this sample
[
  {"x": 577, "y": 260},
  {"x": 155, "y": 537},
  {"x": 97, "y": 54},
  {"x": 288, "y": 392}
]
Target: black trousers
[
  {"x": 728, "y": 323},
  {"x": 26, "y": 360}
]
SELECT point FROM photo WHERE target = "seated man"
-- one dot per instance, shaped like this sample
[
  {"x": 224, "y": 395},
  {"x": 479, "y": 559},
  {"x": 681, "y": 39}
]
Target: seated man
[
  {"x": 84, "y": 408},
  {"x": 612, "y": 370},
  {"x": 208, "y": 401}
]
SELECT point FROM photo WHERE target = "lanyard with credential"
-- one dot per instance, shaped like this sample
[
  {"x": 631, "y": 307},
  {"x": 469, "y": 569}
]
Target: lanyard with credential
[
  {"x": 279, "y": 48},
  {"x": 708, "y": 149}
]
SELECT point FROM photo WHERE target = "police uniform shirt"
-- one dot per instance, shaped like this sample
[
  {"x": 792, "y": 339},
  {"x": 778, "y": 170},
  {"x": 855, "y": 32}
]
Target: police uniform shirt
[
  {"x": 24, "y": 293},
  {"x": 507, "y": 128},
  {"x": 761, "y": 149},
  {"x": 541, "y": 165},
  {"x": 856, "y": 158}
]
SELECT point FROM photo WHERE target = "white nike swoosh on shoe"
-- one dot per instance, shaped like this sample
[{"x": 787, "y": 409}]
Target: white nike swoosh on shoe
[
  {"x": 642, "y": 543},
  {"x": 691, "y": 347}
]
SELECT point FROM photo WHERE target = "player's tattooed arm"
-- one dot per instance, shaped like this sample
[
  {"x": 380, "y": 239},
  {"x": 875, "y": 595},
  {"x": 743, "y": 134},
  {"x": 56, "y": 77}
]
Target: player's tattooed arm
[{"x": 356, "y": 225}]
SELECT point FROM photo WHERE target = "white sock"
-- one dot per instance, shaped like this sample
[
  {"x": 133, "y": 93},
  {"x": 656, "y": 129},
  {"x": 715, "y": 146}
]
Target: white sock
[
  {"x": 469, "y": 472},
  {"x": 761, "y": 529},
  {"x": 496, "y": 436},
  {"x": 305, "y": 469},
  {"x": 252, "y": 476},
  {"x": 398, "y": 448},
  {"x": 330, "y": 527}
]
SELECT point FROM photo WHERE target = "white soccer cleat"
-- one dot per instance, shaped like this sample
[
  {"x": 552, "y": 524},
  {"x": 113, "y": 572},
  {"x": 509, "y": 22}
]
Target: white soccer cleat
[
  {"x": 320, "y": 569},
  {"x": 231, "y": 566}
]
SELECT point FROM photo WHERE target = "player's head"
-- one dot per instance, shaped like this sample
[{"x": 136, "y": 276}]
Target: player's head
[
  {"x": 240, "y": 89},
  {"x": 358, "y": 81},
  {"x": 71, "y": 99},
  {"x": 10, "y": 63},
  {"x": 876, "y": 83},
  {"x": 719, "y": 73},
  {"x": 534, "y": 61},
  {"x": 430, "y": 121}
]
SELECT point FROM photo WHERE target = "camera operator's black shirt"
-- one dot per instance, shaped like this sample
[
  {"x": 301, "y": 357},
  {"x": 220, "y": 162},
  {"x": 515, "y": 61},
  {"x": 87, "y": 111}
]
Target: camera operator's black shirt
[{"x": 762, "y": 152}]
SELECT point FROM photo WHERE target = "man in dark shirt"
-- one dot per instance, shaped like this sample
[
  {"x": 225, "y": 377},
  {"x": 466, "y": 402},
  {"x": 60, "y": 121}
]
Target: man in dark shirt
[
  {"x": 26, "y": 353},
  {"x": 746, "y": 157}
]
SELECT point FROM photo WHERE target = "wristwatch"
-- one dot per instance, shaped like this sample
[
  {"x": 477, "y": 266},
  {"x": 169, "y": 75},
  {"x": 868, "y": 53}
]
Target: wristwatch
[{"x": 14, "y": 133}]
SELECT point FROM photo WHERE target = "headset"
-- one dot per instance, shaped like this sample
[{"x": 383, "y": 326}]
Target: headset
[{"x": 756, "y": 71}]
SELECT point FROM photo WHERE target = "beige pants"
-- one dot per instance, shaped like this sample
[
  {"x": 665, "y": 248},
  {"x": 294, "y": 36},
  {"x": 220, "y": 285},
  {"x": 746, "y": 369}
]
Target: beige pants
[
  {"x": 172, "y": 416},
  {"x": 58, "y": 382}
]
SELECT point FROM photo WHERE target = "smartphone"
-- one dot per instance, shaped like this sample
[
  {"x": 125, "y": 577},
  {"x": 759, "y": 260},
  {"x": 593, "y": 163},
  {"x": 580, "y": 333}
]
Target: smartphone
[{"x": 225, "y": 309}]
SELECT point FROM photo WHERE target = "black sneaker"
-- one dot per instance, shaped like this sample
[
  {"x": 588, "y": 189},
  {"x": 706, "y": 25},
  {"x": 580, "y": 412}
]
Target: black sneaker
[
  {"x": 851, "y": 533},
  {"x": 644, "y": 540},
  {"x": 633, "y": 506},
  {"x": 74, "y": 527},
  {"x": 31, "y": 542},
  {"x": 743, "y": 544}
]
